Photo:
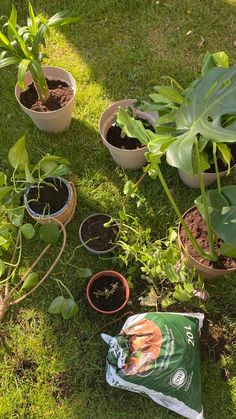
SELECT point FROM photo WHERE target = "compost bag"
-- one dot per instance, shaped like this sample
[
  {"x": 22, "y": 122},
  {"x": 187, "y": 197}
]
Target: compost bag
[{"x": 157, "y": 355}]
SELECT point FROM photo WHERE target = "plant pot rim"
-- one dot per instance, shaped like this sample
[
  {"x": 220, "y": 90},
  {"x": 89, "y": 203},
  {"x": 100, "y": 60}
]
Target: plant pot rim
[
  {"x": 37, "y": 214},
  {"x": 119, "y": 104},
  {"x": 50, "y": 77},
  {"x": 108, "y": 273},
  {"x": 209, "y": 174},
  {"x": 86, "y": 246},
  {"x": 205, "y": 268}
]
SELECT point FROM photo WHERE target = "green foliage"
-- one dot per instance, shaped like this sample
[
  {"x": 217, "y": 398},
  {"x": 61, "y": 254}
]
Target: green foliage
[
  {"x": 158, "y": 262},
  {"x": 21, "y": 45},
  {"x": 31, "y": 280},
  {"x": 67, "y": 307},
  {"x": 28, "y": 231},
  {"x": 49, "y": 233}
]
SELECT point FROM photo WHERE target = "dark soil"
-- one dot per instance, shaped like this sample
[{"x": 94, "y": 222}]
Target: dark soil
[
  {"x": 100, "y": 238},
  {"x": 25, "y": 367},
  {"x": 63, "y": 390},
  {"x": 214, "y": 339},
  {"x": 49, "y": 197},
  {"x": 221, "y": 166},
  {"x": 114, "y": 300},
  {"x": 114, "y": 137},
  {"x": 197, "y": 226},
  {"x": 60, "y": 94}
]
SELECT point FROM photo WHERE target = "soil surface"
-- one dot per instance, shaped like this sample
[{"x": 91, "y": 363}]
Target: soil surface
[
  {"x": 100, "y": 238},
  {"x": 197, "y": 226},
  {"x": 114, "y": 137},
  {"x": 60, "y": 94},
  {"x": 214, "y": 339},
  {"x": 221, "y": 166},
  {"x": 108, "y": 302},
  {"x": 49, "y": 197}
]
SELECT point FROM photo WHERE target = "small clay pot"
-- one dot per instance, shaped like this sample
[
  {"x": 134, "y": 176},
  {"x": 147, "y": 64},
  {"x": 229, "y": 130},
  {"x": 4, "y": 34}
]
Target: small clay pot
[
  {"x": 96, "y": 278},
  {"x": 65, "y": 214},
  {"x": 89, "y": 245}
]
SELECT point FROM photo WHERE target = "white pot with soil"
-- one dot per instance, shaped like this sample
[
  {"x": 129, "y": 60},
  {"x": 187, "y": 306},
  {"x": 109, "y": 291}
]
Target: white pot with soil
[
  {"x": 96, "y": 238},
  {"x": 132, "y": 157},
  {"x": 55, "y": 114},
  {"x": 209, "y": 269},
  {"x": 55, "y": 197},
  {"x": 208, "y": 177}
]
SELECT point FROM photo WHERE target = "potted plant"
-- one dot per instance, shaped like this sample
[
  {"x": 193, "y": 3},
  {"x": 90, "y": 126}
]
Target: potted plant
[
  {"x": 98, "y": 233},
  {"x": 212, "y": 98},
  {"x": 46, "y": 94},
  {"x": 126, "y": 152},
  {"x": 217, "y": 148},
  {"x": 107, "y": 292},
  {"x": 39, "y": 188}
]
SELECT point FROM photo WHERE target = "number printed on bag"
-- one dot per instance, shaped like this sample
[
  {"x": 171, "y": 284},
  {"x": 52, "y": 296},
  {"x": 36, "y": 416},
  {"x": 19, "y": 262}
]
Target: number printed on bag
[{"x": 189, "y": 335}]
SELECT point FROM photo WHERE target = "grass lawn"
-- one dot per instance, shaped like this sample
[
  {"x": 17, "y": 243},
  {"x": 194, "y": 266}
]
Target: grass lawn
[{"x": 119, "y": 49}]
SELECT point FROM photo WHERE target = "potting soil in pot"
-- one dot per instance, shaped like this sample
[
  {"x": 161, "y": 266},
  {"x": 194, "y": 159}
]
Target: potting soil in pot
[
  {"x": 157, "y": 354},
  {"x": 49, "y": 197},
  {"x": 60, "y": 94},
  {"x": 99, "y": 237},
  {"x": 108, "y": 293},
  {"x": 114, "y": 137},
  {"x": 197, "y": 226}
]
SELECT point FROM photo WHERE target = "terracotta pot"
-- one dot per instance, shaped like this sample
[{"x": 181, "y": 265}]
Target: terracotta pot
[
  {"x": 206, "y": 271},
  {"x": 53, "y": 121},
  {"x": 65, "y": 214},
  {"x": 87, "y": 245},
  {"x": 127, "y": 159},
  {"x": 96, "y": 278},
  {"x": 193, "y": 181}
]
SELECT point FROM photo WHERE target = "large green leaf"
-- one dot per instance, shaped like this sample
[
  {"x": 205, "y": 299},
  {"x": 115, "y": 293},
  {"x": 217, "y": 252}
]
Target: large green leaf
[
  {"x": 69, "y": 308},
  {"x": 132, "y": 127},
  {"x": 61, "y": 18},
  {"x": 13, "y": 20},
  {"x": 211, "y": 98},
  {"x": 49, "y": 233},
  {"x": 56, "y": 304},
  {"x": 4, "y": 62},
  {"x": 32, "y": 279},
  {"x": 18, "y": 155},
  {"x": 23, "y": 67}
]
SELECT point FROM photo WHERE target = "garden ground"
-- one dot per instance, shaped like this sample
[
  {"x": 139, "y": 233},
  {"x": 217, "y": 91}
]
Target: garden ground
[{"x": 119, "y": 49}]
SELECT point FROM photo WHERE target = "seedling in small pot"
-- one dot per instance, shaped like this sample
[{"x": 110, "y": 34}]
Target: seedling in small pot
[{"x": 107, "y": 292}]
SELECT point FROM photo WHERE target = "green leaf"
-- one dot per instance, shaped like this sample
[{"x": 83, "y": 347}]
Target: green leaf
[
  {"x": 2, "y": 268},
  {"x": 48, "y": 166},
  {"x": 228, "y": 250},
  {"x": 229, "y": 193},
  {"x": 31, "y": 280},
  {"x": 69, "y": 308},
  {"x": 34, "y": 23},
  {"x": 211, "y": 98},
  {"x": 18, "y": 155},
  {"x": 28, "y": 177},
  {"x": 49, "y": 233},
  {"x": 166, "y": 302},
  {"x": 132, "y": 127},
  {"x": 28, "y": 230},
  {"x": 56, "y": 305},
  {"x": 4, "y": 190},
  {"x": 23, "y": 67},
  {"x": 4, "y": 62},
  {"x": 130, "y": 188},
  {"x": 170, "y": 272},
  {"x": 20, "y": 41},
  {"x": 3, "y": 179},
  {"x": 180, "y": 294},
  {"x": 170, "y": 93},
  {"x": 189, "y": 287},
  {"x": 13, "y": 20},
  {"x": 38, "y": 76},
  {"x": 84, "y": 272},
  {"x": 225, "y": 153},
  {"x": 61, "y": 18}
]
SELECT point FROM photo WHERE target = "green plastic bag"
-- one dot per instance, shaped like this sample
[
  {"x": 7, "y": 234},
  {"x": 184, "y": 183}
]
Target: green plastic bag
[{"x": 157, "y": 354}]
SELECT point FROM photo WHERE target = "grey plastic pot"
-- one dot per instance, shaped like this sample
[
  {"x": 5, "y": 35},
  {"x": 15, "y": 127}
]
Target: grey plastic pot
[
  {"x": 206, "y": 271},
  {"x": 86, "y": 245},
  {"x": 53, "y": 121},
  {"x": 127, "y": 159},
  {"x": 193, "y": 181},
  {"x": 64, "y": 215}
]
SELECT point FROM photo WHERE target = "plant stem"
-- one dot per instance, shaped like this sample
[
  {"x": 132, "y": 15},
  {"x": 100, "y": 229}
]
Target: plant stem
[
  {"x": 179, "y": 215},
  {"x": 216, "y": 168},
  {"x": 214, "y": 256},
  {"x": 59, "y": 282}
]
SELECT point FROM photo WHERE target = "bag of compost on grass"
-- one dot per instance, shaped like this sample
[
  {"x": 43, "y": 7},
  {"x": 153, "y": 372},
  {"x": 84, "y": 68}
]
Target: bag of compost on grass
[{"x": 157, "y": 355}]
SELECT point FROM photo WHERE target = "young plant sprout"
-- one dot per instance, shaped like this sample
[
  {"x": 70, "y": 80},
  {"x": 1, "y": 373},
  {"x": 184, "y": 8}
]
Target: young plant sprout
[{"x": 107, "y": 292}]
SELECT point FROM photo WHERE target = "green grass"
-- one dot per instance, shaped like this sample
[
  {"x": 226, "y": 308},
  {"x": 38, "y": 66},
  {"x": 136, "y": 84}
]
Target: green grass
[{"x": 119, "y": 49}]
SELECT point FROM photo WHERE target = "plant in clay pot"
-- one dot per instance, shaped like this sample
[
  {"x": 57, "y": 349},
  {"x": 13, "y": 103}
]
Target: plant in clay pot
[
  {"x": 158, "y": 263},
  {"x": 179, "y": 110},
  {"x": 45, "y": 94},
  {"x": 98, "y": 233},
  {"x": 212, "y": 99},
  {"x": 127, "y": 152},
  {"x": 107, "y": 292}
]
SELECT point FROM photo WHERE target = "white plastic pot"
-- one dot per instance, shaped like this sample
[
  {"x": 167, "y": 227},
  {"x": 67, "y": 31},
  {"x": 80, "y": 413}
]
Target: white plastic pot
[
  {"x": 127, "y": 159},
  {"x": 193, "y": 181},
  {"x": 52, "y": 121}
]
